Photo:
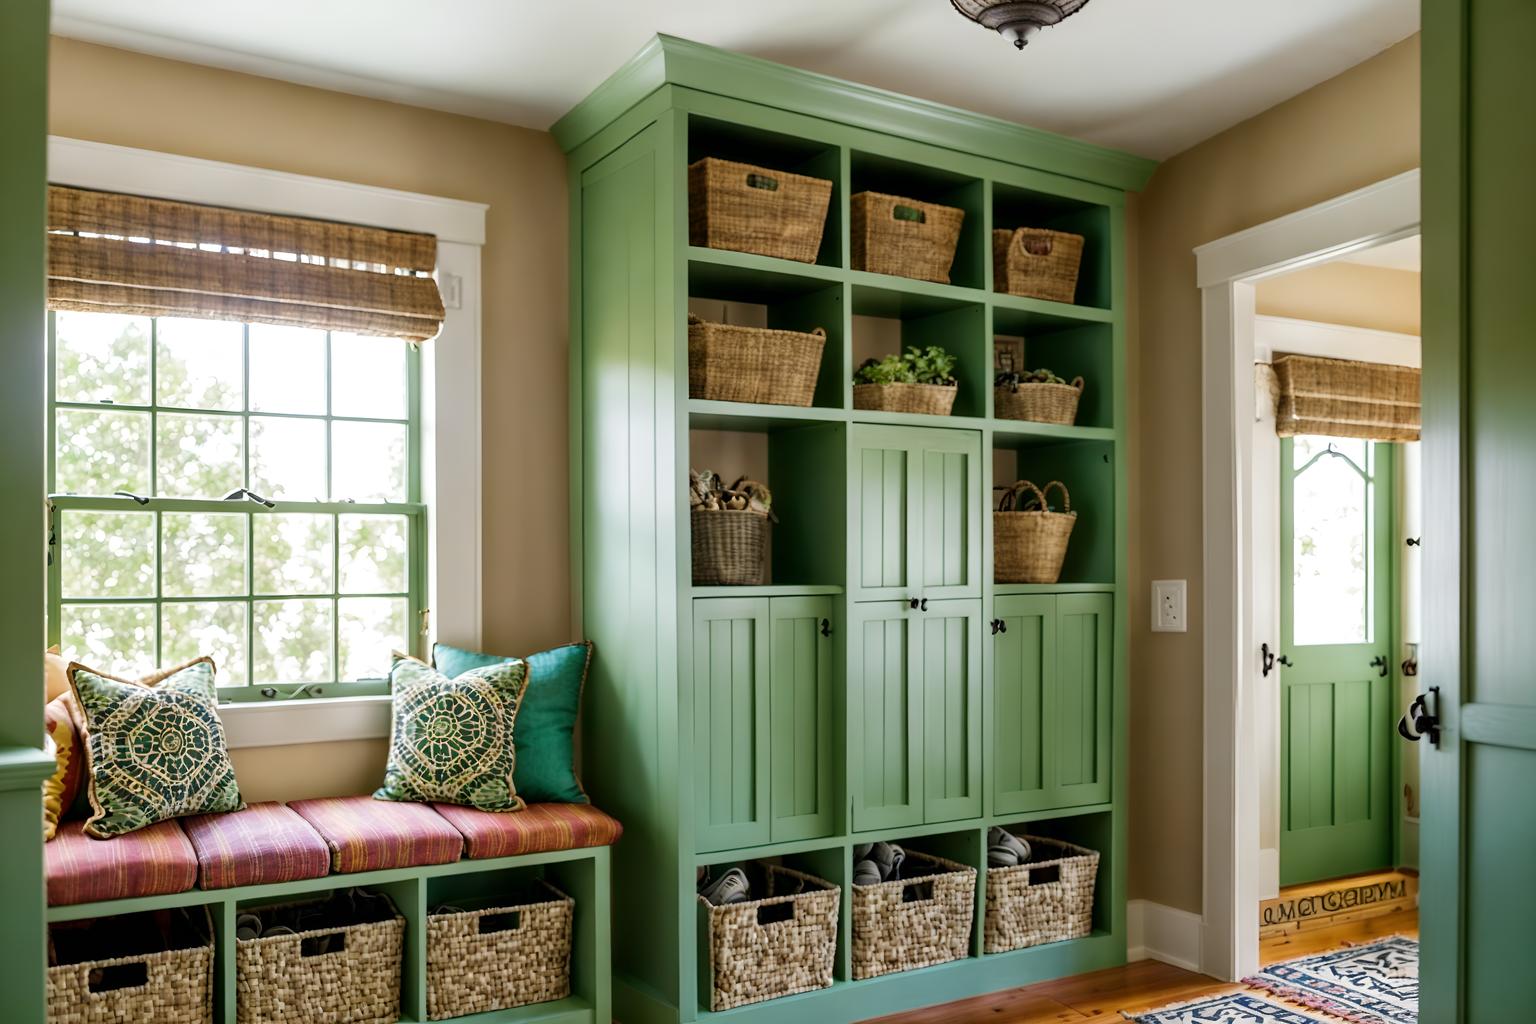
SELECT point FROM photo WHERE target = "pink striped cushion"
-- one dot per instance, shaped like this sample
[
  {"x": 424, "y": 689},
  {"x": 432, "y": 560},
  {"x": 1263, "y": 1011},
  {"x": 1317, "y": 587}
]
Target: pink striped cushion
[
  {"x": 152, "y": 861},
  {"x": 263, "y": 843},
  {"x": 539, "y": 828},
  {"x": 365, "y": 834}
]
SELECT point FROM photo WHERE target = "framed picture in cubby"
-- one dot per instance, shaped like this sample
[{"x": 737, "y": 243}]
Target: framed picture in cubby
[{"x": 1007, "y": 355}]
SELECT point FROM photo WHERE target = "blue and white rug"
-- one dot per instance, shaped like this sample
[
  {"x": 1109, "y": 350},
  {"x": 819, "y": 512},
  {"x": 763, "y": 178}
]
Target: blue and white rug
[
  {"x": 1237, "y": 1008},
  {"x": 1376, "y": 983}
]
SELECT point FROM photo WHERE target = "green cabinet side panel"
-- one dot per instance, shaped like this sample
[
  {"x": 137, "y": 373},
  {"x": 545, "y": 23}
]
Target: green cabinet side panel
[
  {"x": 730, "y": 722},
  {"x": 801, "y": 692},
  {"x": 949, "y": 634},
  {"x": 1023, "y": 667},
  {"x": 885, "y": 717}
]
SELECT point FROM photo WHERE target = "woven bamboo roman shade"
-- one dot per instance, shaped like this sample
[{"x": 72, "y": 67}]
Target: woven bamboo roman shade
[
  {"x": 1344, "y": 398},
  {"x": 115, "y": 253}
]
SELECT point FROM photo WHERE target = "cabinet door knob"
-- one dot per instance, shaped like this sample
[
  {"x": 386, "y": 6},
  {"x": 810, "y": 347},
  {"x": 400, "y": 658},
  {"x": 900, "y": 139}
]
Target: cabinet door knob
[
  {"x": 826, "y": 627},
  {"x": 913, "y": 604},
  {"x": 999, "y": 626},
  {"x": 923, "y": 604}
]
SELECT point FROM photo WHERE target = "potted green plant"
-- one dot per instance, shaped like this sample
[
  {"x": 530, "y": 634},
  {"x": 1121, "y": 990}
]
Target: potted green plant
[
  {"x": 919, "y": 380},
  {"x": 1036, "y": 395}
]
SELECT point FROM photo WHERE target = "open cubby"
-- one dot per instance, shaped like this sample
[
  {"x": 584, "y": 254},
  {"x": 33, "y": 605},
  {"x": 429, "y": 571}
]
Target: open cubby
[
  {"x": 1095, "y": 831},
  {"x": 788, "y": 302},
  {"x": 963, "y": 846},
  {"x": 1084, "y": 350},
  {"x": 802, "y": 464},
  {"x": 875, "y": 173},
  {"x": 889, "y": 321},
  {"x": 1087, "y": 469},
  {"x": 1014, "y": 207},
  {"x": 776, "y": 152}
]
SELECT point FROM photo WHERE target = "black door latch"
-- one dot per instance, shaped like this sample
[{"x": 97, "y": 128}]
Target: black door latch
[{"x": 1419, "y": 721}]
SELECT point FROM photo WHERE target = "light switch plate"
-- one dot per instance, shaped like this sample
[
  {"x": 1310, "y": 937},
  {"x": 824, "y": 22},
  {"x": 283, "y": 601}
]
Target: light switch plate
[{"x": 1169, "y": 606}]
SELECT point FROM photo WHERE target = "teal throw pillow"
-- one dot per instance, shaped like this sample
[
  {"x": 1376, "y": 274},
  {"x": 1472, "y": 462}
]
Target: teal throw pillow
[
  {"x": 546, "y": 723},
  {"x": 451, "y": 740},
  {"x": 155, "y": 751}
]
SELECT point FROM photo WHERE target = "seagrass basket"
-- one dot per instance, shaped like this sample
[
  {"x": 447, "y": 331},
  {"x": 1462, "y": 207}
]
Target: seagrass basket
[
  {"x": 1038, "y": 403},
  {"x": 753, "y": 209},
  {"x": 1030, "y": 544},
  {"x": 342, "y": 973},
  {"x": 729, "y": 547},
  {"x": 1049, "y": 899},
  {"x": 904, "y": 237},
  {"x": 512, "y": 954},
  {"x": 727, "y": 363},
  {"x": 929, "y": 399},
  {"x": 776, "y": 946},
  {"x": 916, "y": 921},
  {"x": 1037, "y": 262},
  {"x": 171, "y": 982}
]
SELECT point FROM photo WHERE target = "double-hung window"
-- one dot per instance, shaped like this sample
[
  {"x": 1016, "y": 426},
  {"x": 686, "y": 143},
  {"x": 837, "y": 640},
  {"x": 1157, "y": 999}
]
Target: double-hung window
[{"x": 242, "y": 490}]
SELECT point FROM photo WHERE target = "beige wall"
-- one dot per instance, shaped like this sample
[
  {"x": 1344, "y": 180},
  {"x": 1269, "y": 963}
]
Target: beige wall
[
  {"x": 1346, "y": 133},
  {"x": 128, "y": 99},
  {"x": 1351, "y": 294}
]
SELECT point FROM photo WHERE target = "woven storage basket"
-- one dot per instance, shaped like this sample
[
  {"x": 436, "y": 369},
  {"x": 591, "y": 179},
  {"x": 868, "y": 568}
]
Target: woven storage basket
[
  {"x": 170, "y": 987},
  {"x": 729, "y": 547},
  {"x": 1036, "y": 262},
  {"x": 753, "y": 209},
  {"x": 1029, "y": 545},
  {"x": 905, "y": 237},
  {"x": 1039, "y": 403},
  {"x": 284, "y": 979},
  {"x": 1050, "y": 899},
  {"x": 775, "y": 946},
  {"x": 727, "y": 363},
  {"x": 914, "y": 922},
  {"x": 929, "y": 399},
  {"x": 500, "y": 957}
]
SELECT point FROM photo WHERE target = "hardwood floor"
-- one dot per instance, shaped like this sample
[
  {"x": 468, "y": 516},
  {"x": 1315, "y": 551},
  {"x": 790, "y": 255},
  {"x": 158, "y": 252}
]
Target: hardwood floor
[{"x": 1144, "y": 985}]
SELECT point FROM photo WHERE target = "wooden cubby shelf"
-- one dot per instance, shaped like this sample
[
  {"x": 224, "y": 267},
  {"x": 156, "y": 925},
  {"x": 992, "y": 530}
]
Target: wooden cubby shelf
[{"x": 858, "y": 693}]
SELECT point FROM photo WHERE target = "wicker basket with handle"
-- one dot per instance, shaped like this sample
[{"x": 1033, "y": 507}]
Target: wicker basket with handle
[
  {"x": 776, "y": 946},
  {"x": 173, "y": 986},
  {"x": 1049, "y": 899},
  {"x": 928, "y": 399},
  {"x": 729, "y": 547},
  {"x": 1037, "y": 263},
  {"x": 904, "y": 237},
  {"x": 1030, "y": 544},
  {"x": 727, "y": 363},
  {"x": 1038, "y": 403},
  {"x": 916, "y": 921},
  {"x": 512, "y": 954},
  {"x": 753, "y": 209}
]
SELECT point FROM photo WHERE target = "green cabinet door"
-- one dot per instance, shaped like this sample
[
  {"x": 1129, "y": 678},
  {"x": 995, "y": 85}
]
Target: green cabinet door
[
  {"x": 885, "y": 716},
  {"x": 800, "y": 702},
  {"x": 948, "y": 635},
  {"x": 1051, "y": 683},
  {"x": 731, "y": 721},
  {"x": 915, "y": 509}
]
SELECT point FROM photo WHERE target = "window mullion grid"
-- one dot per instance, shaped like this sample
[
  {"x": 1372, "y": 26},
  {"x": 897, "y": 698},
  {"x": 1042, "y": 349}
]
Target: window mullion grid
[
  {"x": 156, "y": 608},
  {"x": 250, "y": 518},
  {"x": 54, "y": 609}
]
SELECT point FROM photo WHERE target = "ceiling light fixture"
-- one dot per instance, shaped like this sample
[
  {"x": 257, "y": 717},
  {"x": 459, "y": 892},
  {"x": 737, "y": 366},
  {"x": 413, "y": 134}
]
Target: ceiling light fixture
[{"x": 1018, "y": 20}]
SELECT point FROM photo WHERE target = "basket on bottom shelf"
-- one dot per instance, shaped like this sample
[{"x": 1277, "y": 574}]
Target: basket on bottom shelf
[
  {"x": 1030, "y": 545},
  {"x": 513, "y": 953},
  {"x": 139, "y": 967},
  {"x": 917, "y": 921},
  {"x": 329, "y": 960},
  {"x": 1048, "y": 899},
  {"x": 775, "y": 946}
]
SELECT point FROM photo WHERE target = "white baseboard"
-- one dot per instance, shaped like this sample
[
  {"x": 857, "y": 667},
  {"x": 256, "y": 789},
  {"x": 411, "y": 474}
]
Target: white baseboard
[{"x": 1156, "y": 932}]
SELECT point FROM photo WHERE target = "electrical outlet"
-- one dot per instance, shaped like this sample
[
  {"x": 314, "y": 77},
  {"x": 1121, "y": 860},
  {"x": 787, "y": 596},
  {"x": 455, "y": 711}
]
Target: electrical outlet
[{"x": 1169, "y": 606}]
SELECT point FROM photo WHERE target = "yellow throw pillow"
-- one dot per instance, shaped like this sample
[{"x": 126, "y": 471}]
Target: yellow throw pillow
[
  {"x": 61, "y": 788},
  {"x": 55, "y": 674}
]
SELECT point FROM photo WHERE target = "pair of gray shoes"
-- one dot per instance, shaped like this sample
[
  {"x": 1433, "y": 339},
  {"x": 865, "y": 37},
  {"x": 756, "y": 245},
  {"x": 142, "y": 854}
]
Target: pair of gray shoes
[
  {"x": 731, "y": 887},
  {"x": 1006, "y": 850},
  {"x": 874, "y": 863}
]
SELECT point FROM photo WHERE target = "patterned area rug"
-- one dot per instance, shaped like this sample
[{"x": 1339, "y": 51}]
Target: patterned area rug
[
  {"x": 1237, "y": 1008},
  {"x": 1376, "y": 983}
]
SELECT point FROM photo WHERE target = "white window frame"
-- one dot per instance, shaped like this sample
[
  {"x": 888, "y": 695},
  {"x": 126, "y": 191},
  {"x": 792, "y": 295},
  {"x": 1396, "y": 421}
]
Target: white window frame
[{"x": 450, "y": 385}]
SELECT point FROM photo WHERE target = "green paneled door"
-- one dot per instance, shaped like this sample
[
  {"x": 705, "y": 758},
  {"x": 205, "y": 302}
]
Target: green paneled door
[
  {"x": 1080, "y": 721},
  {"x": 731, "y": 721},
  {"x": 1023, "y": 660},
  {"x": 800, "y": 701},
  {"x": 1335, "y": 628},
  {"x": 948, "y": 635},
  {"x": 885, "y": 716}
]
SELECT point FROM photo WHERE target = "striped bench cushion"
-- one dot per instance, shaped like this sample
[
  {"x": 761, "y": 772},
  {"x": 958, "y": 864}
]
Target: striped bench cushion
[
  {"x": 263, "y": 843},
  {"x": 365, "y": 834},
  {"x": 153, "y": 861},
  {"x": 540, "y": 828}
]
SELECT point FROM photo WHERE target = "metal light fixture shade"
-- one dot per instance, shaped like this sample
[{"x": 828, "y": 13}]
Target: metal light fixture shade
[{"x": 1018, "y": 20}]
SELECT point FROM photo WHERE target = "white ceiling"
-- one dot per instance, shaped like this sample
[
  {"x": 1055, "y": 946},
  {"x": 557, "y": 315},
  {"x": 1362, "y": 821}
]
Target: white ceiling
[
  {"x": 1403, "y": 254},
  {"x": 1150, "y": 77}
]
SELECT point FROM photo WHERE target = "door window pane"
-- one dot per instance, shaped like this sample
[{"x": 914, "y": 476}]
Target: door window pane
[{"x": 1330, "y": 543}]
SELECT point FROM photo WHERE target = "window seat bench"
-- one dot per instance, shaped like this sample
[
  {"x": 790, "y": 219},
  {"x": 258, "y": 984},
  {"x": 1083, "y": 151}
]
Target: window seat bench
[{"x": 273, "y": 852}]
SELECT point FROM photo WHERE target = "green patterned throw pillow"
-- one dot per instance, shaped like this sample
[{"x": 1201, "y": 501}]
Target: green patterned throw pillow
[
  {"x": 451, "y": 739},
  {"x": 154, "y": 751}
]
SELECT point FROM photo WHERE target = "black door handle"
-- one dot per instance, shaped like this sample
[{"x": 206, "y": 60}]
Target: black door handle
[
  {"x": 826, "y": 627},
  {"x": 1266, "y": 659},
  {"x": 999, "y": 626},
  {"x": 924, "y": 604},
  {"x": 1419, "y": 722},
  {"x": 913, "y": 604},
  {"x": 1287, "y": 662},
  {"x": 1380, "y": 662}
]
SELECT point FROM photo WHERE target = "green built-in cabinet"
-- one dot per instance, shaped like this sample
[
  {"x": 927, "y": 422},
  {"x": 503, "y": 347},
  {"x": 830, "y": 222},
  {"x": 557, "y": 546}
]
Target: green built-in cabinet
[{"x": 879, "y": 685}]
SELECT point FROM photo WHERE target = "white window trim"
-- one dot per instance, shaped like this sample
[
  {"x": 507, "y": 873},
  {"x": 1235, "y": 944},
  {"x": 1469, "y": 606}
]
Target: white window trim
[{"x": 450, "y": 363}]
